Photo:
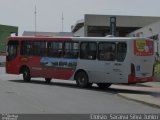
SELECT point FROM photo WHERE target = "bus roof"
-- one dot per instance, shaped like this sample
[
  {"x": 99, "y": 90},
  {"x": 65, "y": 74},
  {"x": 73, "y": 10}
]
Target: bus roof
[{"x": 74, "y": 38}]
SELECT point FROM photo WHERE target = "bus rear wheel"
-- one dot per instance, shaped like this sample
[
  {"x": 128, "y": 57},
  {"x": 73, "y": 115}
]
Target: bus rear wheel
[
  {"x": 26, "y": 75},
  {"x": 104, "y": 85},
  {"x": 48, "y": 80},
  {"x": 82, "y": 80}
]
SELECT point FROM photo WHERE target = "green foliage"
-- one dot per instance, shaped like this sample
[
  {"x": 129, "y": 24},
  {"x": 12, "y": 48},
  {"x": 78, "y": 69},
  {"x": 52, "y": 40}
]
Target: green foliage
[
  {"x": 5, "y": 32},
  {"x": 157, "y": 68}
]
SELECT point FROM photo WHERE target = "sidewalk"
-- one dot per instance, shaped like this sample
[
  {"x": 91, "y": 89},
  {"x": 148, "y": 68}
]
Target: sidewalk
[
  {"x": 157, "y": 77},
  {"x": 146, "y": 93}
]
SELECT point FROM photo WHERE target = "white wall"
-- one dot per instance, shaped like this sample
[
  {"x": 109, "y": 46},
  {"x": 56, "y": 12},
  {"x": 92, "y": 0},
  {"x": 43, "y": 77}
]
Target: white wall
[
  {"x": 2, "y": 59},
  {"x": 148, "y": 31},
  {"x": 80, "y": 32}
]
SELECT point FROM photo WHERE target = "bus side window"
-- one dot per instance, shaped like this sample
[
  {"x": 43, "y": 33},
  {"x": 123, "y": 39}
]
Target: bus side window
[
  {"x": 71, "y": 50},
  {"x": 88, "y": 50},
  {"x": 26, "y": 48},
  {"x": 107, "y": 51},
  {"x": 121, "y": 51},
  {"x": 39, "y": 48},
  {"x": 43, "y": 48},
  {"x": 55, "y": 49}
]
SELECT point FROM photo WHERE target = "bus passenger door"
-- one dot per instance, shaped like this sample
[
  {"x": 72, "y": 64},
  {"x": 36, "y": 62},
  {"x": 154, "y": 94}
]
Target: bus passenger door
[
  {"x": 95, "y": 69},
  {"x": 119, "y": 66},
  {"x": 89, "y": 63},
  {"x": 107, "y": 71},
  {"x": 106, "y": 57}
]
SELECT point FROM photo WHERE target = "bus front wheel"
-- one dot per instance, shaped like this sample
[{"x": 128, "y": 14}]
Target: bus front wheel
[
  {"x": 82, "y": 80},
  {"x": 26, "y": 75},
  {"x": 104, "y": 85}
]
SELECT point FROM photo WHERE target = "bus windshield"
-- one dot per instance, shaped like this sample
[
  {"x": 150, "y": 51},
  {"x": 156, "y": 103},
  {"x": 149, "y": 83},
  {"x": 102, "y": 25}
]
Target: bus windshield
[{"x": 12, "y": 50}]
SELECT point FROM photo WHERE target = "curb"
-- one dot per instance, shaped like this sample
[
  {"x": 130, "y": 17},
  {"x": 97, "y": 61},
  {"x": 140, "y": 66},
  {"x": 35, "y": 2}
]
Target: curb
[
  {"x": 151, "y": 84},
  {"x": 141, "y": 100}
]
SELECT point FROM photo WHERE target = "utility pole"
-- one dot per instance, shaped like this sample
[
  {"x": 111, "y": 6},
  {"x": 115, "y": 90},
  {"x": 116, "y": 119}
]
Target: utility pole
[
  {"x": 62, "y": 21},
  {"x": 35, "y": 12}
]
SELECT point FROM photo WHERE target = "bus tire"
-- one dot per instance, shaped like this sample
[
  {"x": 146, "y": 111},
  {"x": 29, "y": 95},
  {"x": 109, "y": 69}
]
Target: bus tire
[
  {"x": 104, "y": 85},
  {"x": 26, "y": 74},
  {"x": 82, "y": 80},
  {"x": 48, "y": 80}
]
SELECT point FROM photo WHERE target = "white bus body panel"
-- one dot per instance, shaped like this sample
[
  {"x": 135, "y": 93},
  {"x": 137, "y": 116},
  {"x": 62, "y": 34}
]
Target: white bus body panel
[
  {"x": 106, "y": 71},
  {"x": 118, "y": 72},
  {"x": 143, "y": 64}
]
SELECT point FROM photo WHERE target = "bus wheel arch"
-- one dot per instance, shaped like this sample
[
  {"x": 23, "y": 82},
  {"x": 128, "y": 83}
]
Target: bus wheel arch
[
  {"x": 82, "y": 79},
  {"x": 26, "y": 73}
]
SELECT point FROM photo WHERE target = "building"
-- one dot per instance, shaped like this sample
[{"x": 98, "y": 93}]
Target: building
[
  {"x": 133, "y": 26},
  {"x": 5, "y": 32},
  {"x": 150, "y": 31},
  {"x": 56, "y": 34},
  {"x": 100, "y": 25}
]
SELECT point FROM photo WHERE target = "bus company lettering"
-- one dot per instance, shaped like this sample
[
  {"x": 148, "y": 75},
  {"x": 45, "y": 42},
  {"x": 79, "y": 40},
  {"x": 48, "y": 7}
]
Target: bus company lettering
[{"x": 119, "y": 116}]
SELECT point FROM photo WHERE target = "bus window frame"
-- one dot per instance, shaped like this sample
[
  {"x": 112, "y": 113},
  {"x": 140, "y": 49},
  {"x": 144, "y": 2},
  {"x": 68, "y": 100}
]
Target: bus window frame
[
  {"x": 12, "y": 56},
  {"x": 61, "y": 51},
  {"x": 87, "y": 55},
  {"x": 74, "y": 52},
  {"x": 22, "y": 48},
  {"x": 124, "y": 56},
  {"x": 104, "y": 59},
  {"x": 38, "y": 53},
  {"x": 32, "y": 50}
]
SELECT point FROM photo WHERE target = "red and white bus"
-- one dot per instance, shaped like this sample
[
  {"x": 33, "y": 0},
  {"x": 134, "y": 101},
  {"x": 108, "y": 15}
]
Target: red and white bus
[{"x": 87, "y": 60}]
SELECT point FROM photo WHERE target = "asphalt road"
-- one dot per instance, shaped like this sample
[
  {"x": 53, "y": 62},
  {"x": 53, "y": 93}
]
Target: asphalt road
[{"x": 60, "y": 96}]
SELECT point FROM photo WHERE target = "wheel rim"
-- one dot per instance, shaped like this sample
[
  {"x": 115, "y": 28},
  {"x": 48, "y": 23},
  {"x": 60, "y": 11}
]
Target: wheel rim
[
  {"x": 25, "y": 74},
  {"x": 81, "y": 80}
]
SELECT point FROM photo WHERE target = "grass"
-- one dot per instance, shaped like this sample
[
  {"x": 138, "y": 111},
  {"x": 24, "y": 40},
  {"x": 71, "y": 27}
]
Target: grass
[{"x": 157, "y": 69}]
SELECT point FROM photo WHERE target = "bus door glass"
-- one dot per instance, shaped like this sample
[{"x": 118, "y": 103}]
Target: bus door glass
[
  {"x": 119, "y": 68},
  {"x": 88, "y": 51},
  {"x": 106, "y": 56},
  {"x": 11, "y": 58},
  {"x": 144, "y": 56}
]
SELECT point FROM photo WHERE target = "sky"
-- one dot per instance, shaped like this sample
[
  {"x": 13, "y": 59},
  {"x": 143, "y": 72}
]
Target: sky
[{"x": 21, "y": 13}]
